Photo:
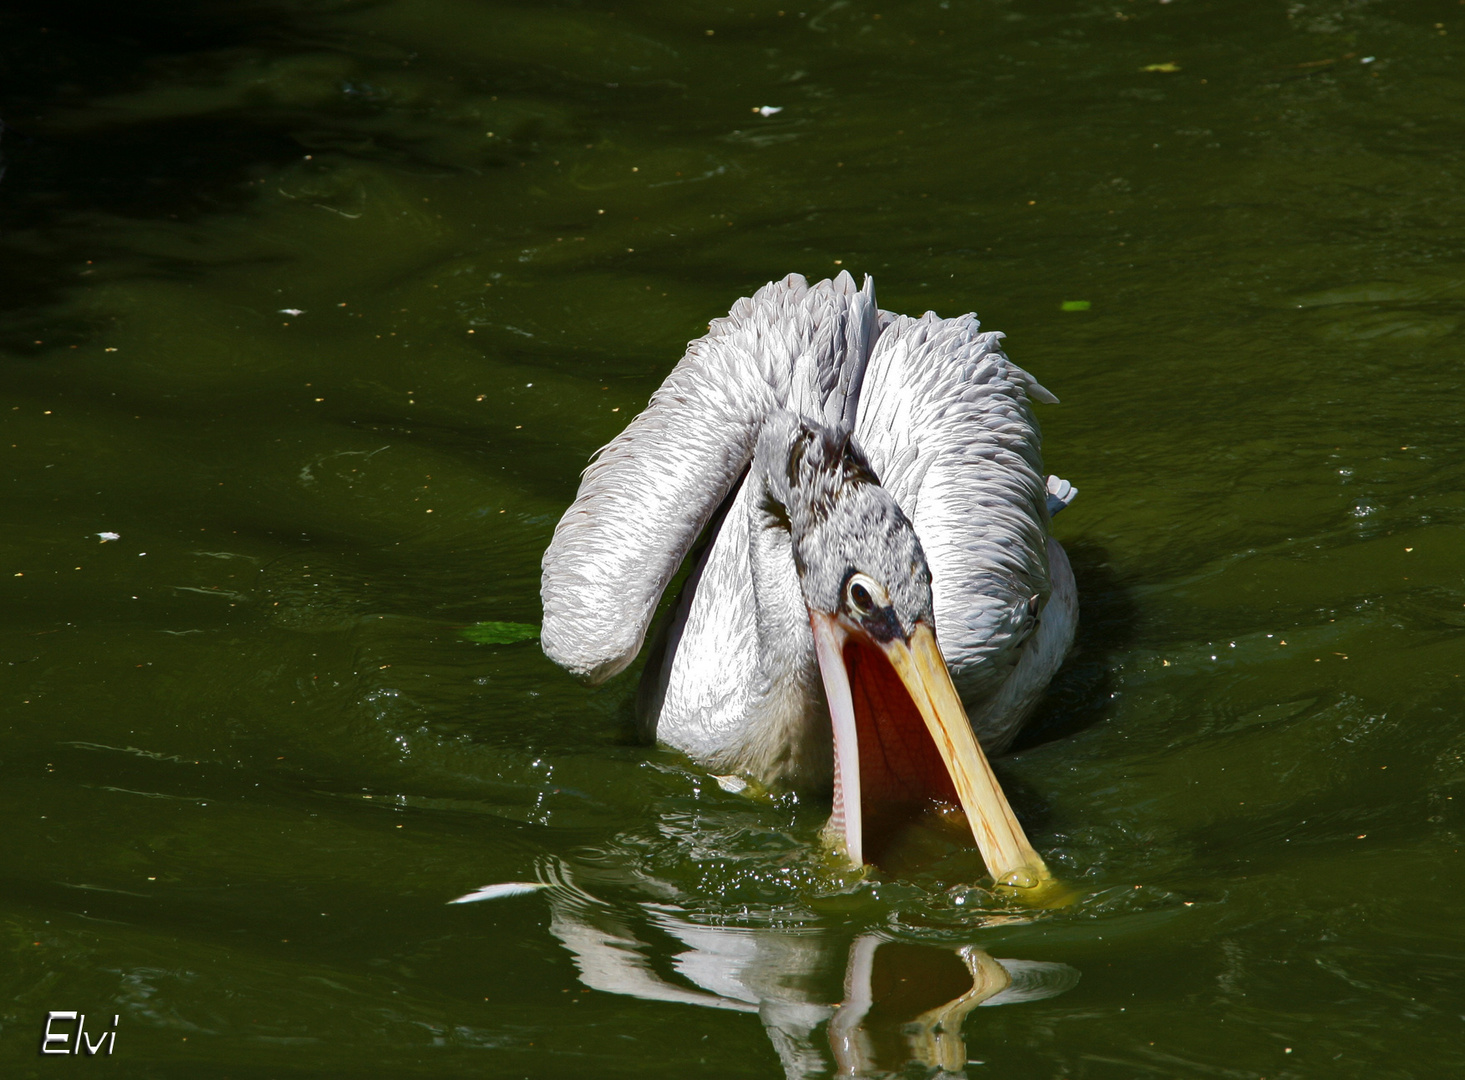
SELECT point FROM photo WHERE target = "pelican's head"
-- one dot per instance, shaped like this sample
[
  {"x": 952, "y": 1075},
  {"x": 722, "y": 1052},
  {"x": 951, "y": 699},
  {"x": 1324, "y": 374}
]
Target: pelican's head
[{"x": 901, "y": 735}]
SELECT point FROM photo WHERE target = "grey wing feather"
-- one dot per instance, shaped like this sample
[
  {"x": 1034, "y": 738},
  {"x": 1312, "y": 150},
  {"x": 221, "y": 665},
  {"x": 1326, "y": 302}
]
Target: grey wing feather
[
  {"x": 650, "y": 491},
  {"x": 946, "y": 421}
]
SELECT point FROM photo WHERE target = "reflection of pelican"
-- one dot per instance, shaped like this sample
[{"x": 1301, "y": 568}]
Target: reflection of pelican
[
  {"x": 873, "y": 481},
  {"x": 882, "y": 1002}
]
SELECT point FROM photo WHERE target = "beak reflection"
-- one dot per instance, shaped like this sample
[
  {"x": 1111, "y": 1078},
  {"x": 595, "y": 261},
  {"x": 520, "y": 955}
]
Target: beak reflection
[{"x": 832, "y": 1002}]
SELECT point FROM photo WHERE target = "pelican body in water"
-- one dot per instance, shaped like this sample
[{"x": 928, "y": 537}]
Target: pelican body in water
[{"x": 879, "y": 593}]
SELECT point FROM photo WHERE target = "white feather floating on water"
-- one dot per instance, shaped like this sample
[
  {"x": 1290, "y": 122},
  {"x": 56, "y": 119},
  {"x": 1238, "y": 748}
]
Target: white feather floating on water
[{"x": 502, "y": 889}]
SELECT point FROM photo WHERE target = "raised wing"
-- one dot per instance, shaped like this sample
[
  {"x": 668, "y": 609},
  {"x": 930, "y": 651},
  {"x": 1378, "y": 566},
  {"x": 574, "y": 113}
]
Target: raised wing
[
  {"x": 946, "y": 421},
  {"x": 650, "y": 491}
]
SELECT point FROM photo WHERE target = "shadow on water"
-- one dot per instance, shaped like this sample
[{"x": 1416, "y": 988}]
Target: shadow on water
[
  {"x": 1079, "y": 695},
  {"x": 62, "y": 57},
  {"x": 72, "y": 153}
]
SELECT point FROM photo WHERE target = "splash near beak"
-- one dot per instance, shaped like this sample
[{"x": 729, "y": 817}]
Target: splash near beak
[{"x": 881, "y": 694}]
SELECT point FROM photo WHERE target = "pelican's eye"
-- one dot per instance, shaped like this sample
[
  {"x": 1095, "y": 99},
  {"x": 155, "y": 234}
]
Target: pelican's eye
[{"x": 863, "y": 596}]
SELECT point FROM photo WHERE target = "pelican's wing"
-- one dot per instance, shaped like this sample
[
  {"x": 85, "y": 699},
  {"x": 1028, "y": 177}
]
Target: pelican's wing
[
  {"x": 946, "y": 421},
  {"x": 651, "y": 490}
]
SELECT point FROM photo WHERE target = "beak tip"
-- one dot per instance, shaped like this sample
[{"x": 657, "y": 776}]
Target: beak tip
[{"x": 1036, "y": 887}]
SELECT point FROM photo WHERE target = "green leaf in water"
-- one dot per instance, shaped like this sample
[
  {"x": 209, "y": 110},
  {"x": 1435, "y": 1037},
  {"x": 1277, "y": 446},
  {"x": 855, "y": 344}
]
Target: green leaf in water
[
  {"x": 1074, "y": 305},
  {"x": 500, "y": 633}
]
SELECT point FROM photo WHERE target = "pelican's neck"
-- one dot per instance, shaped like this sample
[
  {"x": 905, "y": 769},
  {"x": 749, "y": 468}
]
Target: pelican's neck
[
  {"x": 732, "y": 679},
  {"x": 782, "y": 618},
  {"x": 787, "y": 738}
]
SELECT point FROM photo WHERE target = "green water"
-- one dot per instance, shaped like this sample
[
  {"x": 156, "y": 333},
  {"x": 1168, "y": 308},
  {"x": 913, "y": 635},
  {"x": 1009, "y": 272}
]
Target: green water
[{"x": 248, "y": 755}]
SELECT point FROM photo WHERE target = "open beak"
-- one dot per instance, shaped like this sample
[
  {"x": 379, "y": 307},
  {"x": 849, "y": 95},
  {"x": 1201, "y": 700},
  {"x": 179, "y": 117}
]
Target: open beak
[{"x": 917, "y": 671}]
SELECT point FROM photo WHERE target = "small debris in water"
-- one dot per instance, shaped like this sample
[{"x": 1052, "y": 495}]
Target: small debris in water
[
  {"x": 105, "y": 536},
  {"x": 1074, "y": 305},
  {"x": 1167, "y": 67},
  {"x": 495, "y": 892},
  {"x": 292, "y": 311}
]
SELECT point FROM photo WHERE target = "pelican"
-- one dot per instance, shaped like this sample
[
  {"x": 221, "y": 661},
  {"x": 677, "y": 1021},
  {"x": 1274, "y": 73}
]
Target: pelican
[{"x": 879, "y": 596}]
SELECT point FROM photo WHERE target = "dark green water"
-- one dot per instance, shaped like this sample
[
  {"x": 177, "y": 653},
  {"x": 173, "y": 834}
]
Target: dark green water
[{"x": 247, "y": 755}]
